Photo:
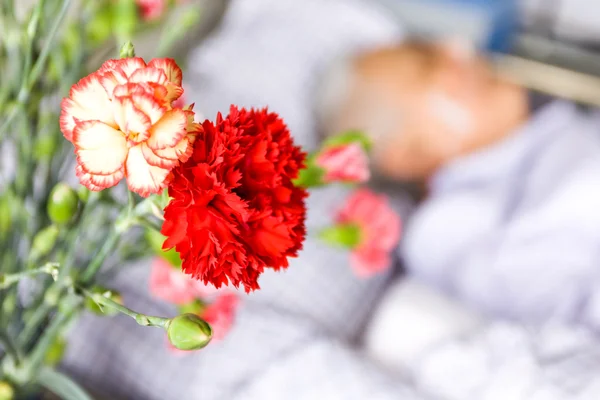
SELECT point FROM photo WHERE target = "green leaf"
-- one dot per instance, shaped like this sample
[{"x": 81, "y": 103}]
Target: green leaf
[
  {"x": 156, "y": 240},
  {"x": 343, "y": 235},
  {"x": 352, "y": 136}
]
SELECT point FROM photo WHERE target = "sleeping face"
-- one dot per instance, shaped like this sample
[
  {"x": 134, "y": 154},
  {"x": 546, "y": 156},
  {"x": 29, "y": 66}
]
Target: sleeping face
[{"x": 423, "y": 105}]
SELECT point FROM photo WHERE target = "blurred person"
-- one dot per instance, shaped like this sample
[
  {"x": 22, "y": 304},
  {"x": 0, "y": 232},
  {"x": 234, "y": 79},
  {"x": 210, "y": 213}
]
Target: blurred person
[
  {"x": 298, "y": 337},
  {"x": 509, "y": 222}
]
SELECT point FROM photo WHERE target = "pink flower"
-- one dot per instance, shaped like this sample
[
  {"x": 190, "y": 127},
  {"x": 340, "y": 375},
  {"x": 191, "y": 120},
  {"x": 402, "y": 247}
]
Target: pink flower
[
  {"x": 345, "y": 163},
  {"x": 172, "y": 285},
  {"x": 151, "y": 9},
  {"x": 220, "y": 314},
  {"x": 379, "y": 227}
]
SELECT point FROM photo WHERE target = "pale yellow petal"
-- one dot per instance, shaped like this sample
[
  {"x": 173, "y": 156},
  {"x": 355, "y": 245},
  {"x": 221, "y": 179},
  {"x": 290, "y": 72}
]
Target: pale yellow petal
[
  {"x": 149, "y": 105},
  {"x": 169, "y": 130},
  {"x": 154, "y": 75},
  {"x": 143, "y": 178},
  {"x": 131, "y": 120},
  {"x": 100, "y": 149},
  {"x": 91, "y": 97}
]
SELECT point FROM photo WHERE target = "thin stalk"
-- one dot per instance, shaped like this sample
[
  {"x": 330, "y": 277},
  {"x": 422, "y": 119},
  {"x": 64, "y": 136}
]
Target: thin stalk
[
  {"x": 141, "y": 319},
  {"x": 38, "y": 66},
  {"x": 7, "y": 280}
]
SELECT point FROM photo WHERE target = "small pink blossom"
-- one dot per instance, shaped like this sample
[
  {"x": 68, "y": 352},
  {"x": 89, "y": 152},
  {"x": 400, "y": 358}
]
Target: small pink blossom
[
  {"x": 151, "y": 9},
  {"x": 172, "y": 285},
  {"x": 220, "y": 314},
  {"x": 345, "y": 163},
  {"x": 380, "y": 229}
]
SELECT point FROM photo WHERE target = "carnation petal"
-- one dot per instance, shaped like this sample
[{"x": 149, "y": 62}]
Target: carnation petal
[
  {"x": 130, "y": 65},
  {"x": 170, "y": 68},
  {"x": 100, "y": 148},
  {"x": 149, "y": 105},
  {"x": 143, "y": 178},
  {"x": 89, "y": 98},
  {"x": 148, "y": 75},
  {"x": 182, "y": 151},
  {"x": 169, "y": 130},
  {"x": 98, "y": 182},
  {"x": 70, "y": 111},
  {"x": 155, "y": 160},
  {"x": 131, "y": 119}
]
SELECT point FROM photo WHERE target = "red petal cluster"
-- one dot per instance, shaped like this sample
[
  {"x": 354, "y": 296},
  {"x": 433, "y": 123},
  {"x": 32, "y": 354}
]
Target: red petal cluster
[{"x": 234, "y": 209}]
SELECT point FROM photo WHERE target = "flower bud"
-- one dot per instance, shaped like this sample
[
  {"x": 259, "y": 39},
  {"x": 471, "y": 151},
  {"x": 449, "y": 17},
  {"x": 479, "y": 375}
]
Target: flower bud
[
  {"x": 43, "y": 242},
  {"x": 344, "y": 235},
  {"x": 189, "y": 332},
  {"x": 127, "y": 50},
  {"x": 6, "y": 391},
  {"x": 62, "y": 204},
  {"x": 93, "y": 307}
]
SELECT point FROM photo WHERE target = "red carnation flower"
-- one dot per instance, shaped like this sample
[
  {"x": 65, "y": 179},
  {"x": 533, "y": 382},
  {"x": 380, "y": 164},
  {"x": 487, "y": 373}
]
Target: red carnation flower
[{"x": 234, "y": 209}]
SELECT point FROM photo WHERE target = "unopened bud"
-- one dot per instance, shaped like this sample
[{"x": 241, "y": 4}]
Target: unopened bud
[
  {"x": 189, "y": 332},
  {"x": 6, "y": 391},
  {"x": 62, "y": 204},
  {"x": 44, "y": 242},
  {"x": 127, "y": 50}
]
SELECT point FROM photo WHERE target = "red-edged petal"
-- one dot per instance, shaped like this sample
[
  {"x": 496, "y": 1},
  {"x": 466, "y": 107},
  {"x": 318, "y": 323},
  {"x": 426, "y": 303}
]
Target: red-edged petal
[
  {"x": 149, "y": 105},
  {"x": 148, "y": 74},
  {"x": 131, "y": 119},
  {"x": 143, "y": 178},
  {"x": 91, "y": 100},
  {"x": 130, "y": 65},
  {"x": 69, "y": 111},
  {"x": 98, "y": 182},
  {"x": 170, "y": 67},
  {"x": 173, "y": 92},
  {"x": 155, "y": 160},
  {"x": 169, "y": 130},
  {"x": 100, "y": 149},
  {"x": 181, "y": 152}
]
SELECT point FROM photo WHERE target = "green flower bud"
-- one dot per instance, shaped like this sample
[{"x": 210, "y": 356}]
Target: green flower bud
[
  {"x": 43, "y": 242},
  {"x": 62, "y": 204},
  {"x": 6, "y": 391},
  {"x": 156, "y": 240},
  {"x": 344, "y": 235},
  {"x": 56, "y": 352},
  {"x": 93, "y": 307},
  {"x": 127, "y": 50},
  {"x": 189, "y": 332},
  {"x": 347, "y": 138}
]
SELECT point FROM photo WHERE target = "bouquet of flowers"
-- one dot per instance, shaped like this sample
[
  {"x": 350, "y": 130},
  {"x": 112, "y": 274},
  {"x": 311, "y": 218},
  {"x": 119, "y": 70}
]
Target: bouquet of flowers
[{"x": 218, "y": 201}]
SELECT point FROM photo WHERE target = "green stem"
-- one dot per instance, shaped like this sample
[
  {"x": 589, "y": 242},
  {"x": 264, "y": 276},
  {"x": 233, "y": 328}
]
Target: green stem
[
  {"x": 10, "y": 346},
  {"x": 141, "y": 319},
  {"x": 38, "y": 67},
  {"x": 65, "y": 312},
  {"x": 7, "y": 280},
  {"x": 61, "y": 385},
  {"x": 32, "y": 324},
  {"x": 96, "y": 263}
]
